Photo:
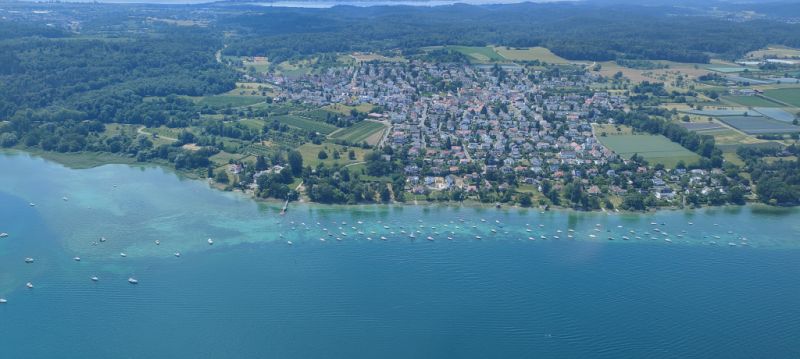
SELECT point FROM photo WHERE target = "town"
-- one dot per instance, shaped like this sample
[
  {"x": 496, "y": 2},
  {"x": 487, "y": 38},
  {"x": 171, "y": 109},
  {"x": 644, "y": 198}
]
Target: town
[{"x": 499, "y": 134}]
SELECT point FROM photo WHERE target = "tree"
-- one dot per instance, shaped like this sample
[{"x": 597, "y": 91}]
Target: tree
[
  {"x": 296, "y": 162},
  {"x": 221, "y": 177},
  {"x": 525, "y": 200},
  {"x": 8, "y": 139},
  {"x": 261, "y": 163}
]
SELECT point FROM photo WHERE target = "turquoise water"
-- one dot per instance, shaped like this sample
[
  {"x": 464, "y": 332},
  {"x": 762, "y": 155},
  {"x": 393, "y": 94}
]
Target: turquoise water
[{"x": 724, "y": 286}]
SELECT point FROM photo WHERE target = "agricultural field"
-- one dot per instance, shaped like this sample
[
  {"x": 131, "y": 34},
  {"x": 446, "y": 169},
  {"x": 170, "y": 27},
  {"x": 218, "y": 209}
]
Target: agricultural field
[
  {"x": 753, "y": 125},
  {"x": 478, "y": 53},
  {"x": 751, "y": 101},
  {"x": 790, "y": 96},
  {"x": 364, "y": 131},
  {"x": 654, "y": 148},
  {"x": 306, "y": 124},
  {"x": 310, "y": 153},
  {"x": 776, "y": 114},
  {"x": 530, "y": 54}
]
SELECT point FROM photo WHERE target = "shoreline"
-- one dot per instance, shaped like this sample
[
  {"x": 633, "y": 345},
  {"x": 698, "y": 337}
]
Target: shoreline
[{"x": 86, "y": 160}]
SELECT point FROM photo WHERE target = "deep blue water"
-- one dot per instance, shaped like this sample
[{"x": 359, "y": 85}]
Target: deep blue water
[{"x": 500, "y": 297}]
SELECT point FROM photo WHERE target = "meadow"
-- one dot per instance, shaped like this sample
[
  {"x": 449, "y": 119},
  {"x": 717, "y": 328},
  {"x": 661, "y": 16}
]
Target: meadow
[
  {"x": 530, "y": 54},
  {"x": 310, "y": 153},
  {"x": 478, "y": 53},
  {"x": 221, "y": 101}
]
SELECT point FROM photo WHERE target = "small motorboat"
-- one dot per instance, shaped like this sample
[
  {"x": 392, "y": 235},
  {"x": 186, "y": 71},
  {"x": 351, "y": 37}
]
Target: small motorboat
[
  {"x": 3, "y": 301},
  {"x": 132, "y": 280},
  {"x": 102, "y": 239},
  {"x": 158, "y": 243},
  {"x": 77, "y": 259},
  {"x": 29, "y": 285},
  {"x": 210, "y": 241},
  {"x": 123, "y": 254},
  {"x": 95, "y": 279},
  {"x": 29, "y": 260},
  {"x": 3, "y": 235}
]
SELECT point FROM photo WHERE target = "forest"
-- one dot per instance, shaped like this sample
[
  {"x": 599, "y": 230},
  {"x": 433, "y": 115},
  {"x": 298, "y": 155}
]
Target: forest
[{"x": 573, "y": 31}]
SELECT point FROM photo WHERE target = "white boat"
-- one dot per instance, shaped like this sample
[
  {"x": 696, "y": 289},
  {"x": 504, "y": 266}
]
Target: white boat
[
  {"x": 3, "y": 235},
  {"x": 158, "y": 242},
  {"x": 122, "y": 254},
  {"x": 29, "y": 260},
  {"x": 289, "y": 243},
  {"x": 477, "y": 237},
  {"x": 95, "y": 279},
  {"x": 29, "y": 285},
  {"x": 178, "y": 254},
  {"x": 102, "y": 239},
  {"x": 430, "y": 238},
  {"x": 32, "y": 204},
  {"x": 210, "y": 241},
  {"x": 3, "y": 301},
  {"x": 77, "y": 259},
  {"x": 383, "y": 238},
  {"x": 132, "y": 280},
  {"x": 65, "y": 198}
]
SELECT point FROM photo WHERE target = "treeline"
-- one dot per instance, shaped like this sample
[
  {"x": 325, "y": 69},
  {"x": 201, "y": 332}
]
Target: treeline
[{"x": 573, "y": 31}]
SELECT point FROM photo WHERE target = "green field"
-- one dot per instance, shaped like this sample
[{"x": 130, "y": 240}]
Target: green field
[
  {"x": 478, "y": 53},
  {"x": 654, "y": 148},
  {"x": 253, "y": 124},
  {"x": 310, "y": 153},
  {"x": 364, "y": 131},
  {"x": 306, "y": 124},
  {"x": 530, "y": 54},
  {"x": 788, "y": 95},
  {"x": 229, "y": 100},
  {"x": 345, "y": 109},
  {"x": 751, "y": 101}
]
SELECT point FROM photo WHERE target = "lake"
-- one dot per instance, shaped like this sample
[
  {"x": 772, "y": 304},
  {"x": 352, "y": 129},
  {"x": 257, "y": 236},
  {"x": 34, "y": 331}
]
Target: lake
[{"x": 720, "y": 282}]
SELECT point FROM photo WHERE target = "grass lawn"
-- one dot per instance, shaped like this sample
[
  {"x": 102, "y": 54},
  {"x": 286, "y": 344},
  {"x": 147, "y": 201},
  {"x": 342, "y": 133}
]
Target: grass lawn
[
  {"x": 306, "y": 124},
  {"x": 369, "y": 131},
  {"x": 478, "y": 53},
  {"x": 788, "y": 95},
  {"x": 530, "y": 54},
  {"x": 654, "y": 148},
  {"x": 310, "y": 154}
]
